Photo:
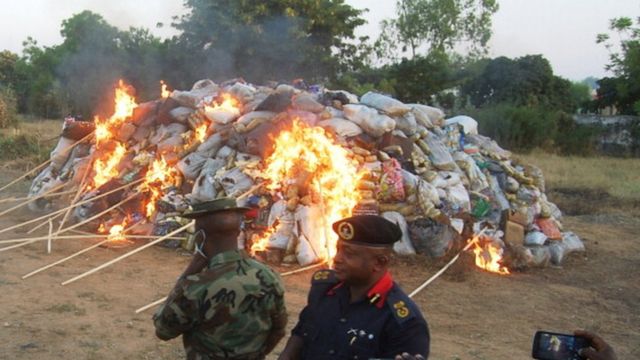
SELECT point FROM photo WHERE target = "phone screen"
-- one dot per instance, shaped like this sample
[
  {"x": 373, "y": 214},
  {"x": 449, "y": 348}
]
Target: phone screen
[{"x": 552, "y": 346}]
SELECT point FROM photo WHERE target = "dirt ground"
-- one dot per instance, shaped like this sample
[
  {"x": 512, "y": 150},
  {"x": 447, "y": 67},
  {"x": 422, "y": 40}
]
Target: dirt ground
[{"x": 472, "y": 314}]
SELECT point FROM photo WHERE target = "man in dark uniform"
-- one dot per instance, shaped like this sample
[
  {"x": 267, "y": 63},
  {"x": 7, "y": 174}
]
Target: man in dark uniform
[
  {"x": 357, "y": 311},
  {"x": 226, "y": 305}
]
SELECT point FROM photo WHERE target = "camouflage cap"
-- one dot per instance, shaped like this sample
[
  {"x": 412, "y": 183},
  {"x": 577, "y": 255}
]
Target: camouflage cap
[{"x": 213, "y": 206}]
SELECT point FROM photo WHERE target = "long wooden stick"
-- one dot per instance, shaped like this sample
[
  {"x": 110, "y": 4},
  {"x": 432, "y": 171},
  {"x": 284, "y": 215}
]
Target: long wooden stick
[
  {"x": 74, "y": 254},
  {"x": 250, "y": 191},
  {"x": 160, "y": 301},
  {"x": 2, "y": 201},
  {"x": 149, "y": 306},
  {"x": 444, "y": 268},
  {"x": 302, "y": 269},
  {"x": 46, "y": 193},
  {"x": 109, "y": 263},
  {"x": 76, "y": 225},
  {"x": 49, "y": 237},
  {"x": 42, "y": 223},
  {"x": 88, "y": 236},
  {"x": 128, "y": 198},
  {"x": 72, "y": 206},
  {"x": 64, "y": 259},
  {"x": 77, "y": 196},
  {"x": 45, "y": 163}
]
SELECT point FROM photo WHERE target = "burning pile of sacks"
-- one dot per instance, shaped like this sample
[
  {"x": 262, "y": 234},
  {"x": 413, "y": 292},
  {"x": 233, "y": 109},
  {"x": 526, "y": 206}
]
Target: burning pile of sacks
[{"x": 302, "y": 157}]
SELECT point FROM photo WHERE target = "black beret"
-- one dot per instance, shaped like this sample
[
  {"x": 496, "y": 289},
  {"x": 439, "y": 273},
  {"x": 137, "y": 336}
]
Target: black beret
[{"x": 368, "y": 230}]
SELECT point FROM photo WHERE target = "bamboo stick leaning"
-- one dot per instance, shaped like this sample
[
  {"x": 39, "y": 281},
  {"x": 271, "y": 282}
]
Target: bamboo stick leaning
[
  {"x": 109, "y": 263},
  {"x": 44, "y": 163},
  {"x": 72, "y": 206}
]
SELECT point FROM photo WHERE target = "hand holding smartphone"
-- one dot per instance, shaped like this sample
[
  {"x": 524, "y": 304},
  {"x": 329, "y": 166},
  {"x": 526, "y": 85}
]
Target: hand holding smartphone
[{"x": 555, "y": 346}]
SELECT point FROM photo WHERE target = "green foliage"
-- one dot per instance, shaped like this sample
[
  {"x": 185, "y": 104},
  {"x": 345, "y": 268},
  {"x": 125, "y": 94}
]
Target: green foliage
[
  {"x": 266, "y": 40},
  {"x": 441, "y": 25},
  {"x": 580, "y": 94},
  {"x": 524, "y": 128},
  {"x": 21, "y": 146},
  {"x": 7, "y": 108},
  {"x": 623, "y": 90},
  {"x": 417, "y": 80},
  {"x": 525, "y": 81}
]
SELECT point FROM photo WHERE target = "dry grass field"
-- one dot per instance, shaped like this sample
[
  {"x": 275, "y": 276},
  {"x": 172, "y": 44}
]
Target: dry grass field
[{"x": 472, "y": 314}]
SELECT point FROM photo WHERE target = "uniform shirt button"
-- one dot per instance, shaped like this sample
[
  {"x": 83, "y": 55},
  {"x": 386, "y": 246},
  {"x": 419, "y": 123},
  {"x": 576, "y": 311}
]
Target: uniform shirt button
[
  {"x": 331, "y": 352},
  {"x": 343, "y": 320}
]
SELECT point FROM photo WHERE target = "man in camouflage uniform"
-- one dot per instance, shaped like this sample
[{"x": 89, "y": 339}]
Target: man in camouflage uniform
[{"x": 226, "y": 305}]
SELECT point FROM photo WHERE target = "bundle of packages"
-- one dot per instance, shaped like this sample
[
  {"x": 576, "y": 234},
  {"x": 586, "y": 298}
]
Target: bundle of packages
[{"x": 302, "y": 157}]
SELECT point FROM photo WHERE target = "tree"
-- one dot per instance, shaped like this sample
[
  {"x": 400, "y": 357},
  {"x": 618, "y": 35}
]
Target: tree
[
  {"x": 625, "y": 64},
  {"x": 8, "y": 62},
  {"x": 525, "y": 81},
  {"x": 266, "y": 40},
  {"x": 91, "y": 61},
  {"x": 441, "y": 25}
]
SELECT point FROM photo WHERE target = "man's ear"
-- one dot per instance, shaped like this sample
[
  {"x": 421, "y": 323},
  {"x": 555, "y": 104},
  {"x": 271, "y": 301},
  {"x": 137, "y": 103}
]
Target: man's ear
[{"x": 381, "y": 261}]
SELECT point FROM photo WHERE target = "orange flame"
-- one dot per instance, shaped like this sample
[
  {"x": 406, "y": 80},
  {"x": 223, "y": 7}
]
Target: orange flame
[
  {"x": 116, "y": 233},
  {"x": 488, "y": 257},
  {"x": 164, "y": 92},
  {"x": 199, "y": 135},
  {"x": 260, "y": 242},
  {"x": 334, "y": 175},
  {"x": 201, "y": 132},
  {"x": 105, "y": 167},
  {"x": 158, "y": 177},
  {"x": 228, "y": 103}
]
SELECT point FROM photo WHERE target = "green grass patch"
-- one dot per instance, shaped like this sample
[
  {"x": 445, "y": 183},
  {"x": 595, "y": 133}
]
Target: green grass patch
[{"x": 619, "y": 177}]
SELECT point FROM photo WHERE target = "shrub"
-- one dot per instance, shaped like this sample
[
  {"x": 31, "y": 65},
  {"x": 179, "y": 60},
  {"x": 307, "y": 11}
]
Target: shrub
[
  {"x": 7, "y": 109},
  {"x": 523, "y": 128},
  {"x": 21, "y": 146}
]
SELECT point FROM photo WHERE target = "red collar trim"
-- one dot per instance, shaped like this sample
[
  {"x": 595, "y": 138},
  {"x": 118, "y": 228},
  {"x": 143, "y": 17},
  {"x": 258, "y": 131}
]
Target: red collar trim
[{"x": 378, "y": 293}]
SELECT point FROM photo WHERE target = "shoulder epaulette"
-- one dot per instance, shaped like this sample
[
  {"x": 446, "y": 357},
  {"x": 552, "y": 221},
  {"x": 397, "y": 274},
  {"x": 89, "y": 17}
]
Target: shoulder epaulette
[
  {"x": 402, "y": 307},
  {"x": 324, "y": 277}
]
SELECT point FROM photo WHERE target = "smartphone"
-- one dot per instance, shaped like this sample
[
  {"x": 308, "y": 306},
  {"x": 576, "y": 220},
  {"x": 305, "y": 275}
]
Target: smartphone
[{"x": 555, "y": 346}]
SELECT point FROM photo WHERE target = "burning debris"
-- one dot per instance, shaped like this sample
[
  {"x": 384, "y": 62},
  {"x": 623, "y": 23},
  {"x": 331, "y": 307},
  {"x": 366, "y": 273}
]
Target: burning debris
[{"x": 302, "y": 158}]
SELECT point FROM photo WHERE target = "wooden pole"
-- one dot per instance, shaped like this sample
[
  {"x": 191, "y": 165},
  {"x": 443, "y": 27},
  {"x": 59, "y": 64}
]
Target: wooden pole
[
  {"x": 74, "y": 226},
  {"x": 302, "y": 269},
  {"x": 72, "y": 206},
  {"x": 49, "y": 238},
  {"x": 73, "y": 255},
  {"x": 109, "y": 263},
  {"x": 43, "y": 223},
  {"x": 128, "y": 198},
  {"x": 250, "y": 191},
  {"x": 2, "y": 201},
  {"x": 86, "y": 236},
  {"x": 77, "y": 196},
  {"x": 64, "y": 259},
  {"x": 149, "y": 306},
  {"x": 44, "y": 163},
  {"x": 444, "y": 268},
  {"x": 46, "y": 193}
]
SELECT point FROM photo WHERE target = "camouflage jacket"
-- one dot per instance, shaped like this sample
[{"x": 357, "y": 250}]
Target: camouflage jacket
[{"x": 226, "y": 311}]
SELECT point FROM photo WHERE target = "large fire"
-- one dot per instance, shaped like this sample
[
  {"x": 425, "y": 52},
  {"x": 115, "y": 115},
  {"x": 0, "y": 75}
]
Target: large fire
[
  {"x": 310, "y": 152},
  {"x": 105, "y": 166},
  {"x": 159, "y": 177},
  {"x": 488, "y": 256},
  {"x": 225, "y": 102}
]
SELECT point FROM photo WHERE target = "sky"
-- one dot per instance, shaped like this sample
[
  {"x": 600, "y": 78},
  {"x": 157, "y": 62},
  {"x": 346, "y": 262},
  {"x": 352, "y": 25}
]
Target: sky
[{"x": 563, "y": 31}]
